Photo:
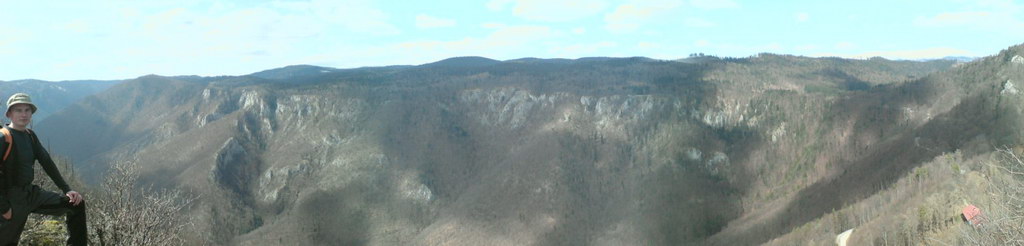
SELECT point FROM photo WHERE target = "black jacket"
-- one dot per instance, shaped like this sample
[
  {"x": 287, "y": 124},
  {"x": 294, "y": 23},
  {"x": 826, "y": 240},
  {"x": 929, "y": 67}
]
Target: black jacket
[{"x": 9, "y": 176}]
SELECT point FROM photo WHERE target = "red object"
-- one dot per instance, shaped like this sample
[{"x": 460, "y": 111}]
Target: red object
[{"x": 972, "y": 214}]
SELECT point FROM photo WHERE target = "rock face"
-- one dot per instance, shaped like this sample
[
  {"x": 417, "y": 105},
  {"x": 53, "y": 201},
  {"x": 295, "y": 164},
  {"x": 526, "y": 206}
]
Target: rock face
[{"x": 530, "y": 152}]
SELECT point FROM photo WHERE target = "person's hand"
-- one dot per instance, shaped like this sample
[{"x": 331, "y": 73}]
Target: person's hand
[
  {"x": 74, "y": 198},
  {"x": 7, "y": 215}
]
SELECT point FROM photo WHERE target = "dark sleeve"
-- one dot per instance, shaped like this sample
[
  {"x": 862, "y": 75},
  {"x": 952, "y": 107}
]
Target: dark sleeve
[
  {"x": 48, "y": 165},
  {"x": 4, "y": 203}
]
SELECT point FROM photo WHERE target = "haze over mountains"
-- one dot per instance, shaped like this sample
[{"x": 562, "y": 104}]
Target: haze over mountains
[
  {"x": 594, "y": 151},
  {"x": 51, "y": 97}
]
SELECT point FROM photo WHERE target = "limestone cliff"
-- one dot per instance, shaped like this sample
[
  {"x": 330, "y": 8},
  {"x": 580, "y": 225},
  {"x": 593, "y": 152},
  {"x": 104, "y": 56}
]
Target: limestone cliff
[{"x": 472, "y": 151}]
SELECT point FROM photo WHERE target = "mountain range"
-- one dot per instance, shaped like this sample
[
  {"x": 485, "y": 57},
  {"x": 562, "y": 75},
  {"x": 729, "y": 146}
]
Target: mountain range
[
  {"x": 595, "y": 151},
  {"x": 51, "y": 96}
]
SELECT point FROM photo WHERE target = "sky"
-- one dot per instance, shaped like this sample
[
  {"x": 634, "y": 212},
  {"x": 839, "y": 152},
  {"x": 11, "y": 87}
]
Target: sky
[{"x": 121, "y": 39}]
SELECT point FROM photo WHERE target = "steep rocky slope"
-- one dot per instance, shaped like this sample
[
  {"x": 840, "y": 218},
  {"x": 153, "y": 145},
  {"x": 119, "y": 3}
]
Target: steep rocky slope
[
  {"x": 873, "y": 139},
  {"x": 598, "y": 151}
]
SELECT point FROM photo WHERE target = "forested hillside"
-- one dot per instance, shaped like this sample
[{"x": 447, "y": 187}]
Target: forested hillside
[{"x": 593, "y": 151}]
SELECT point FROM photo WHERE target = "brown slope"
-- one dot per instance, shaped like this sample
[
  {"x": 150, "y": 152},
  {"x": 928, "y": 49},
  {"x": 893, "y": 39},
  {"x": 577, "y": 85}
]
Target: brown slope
[
  {"x": 122, "y": 118},
  {"x": 610, "y": 151},
  {"x": 980, "y": 119}
]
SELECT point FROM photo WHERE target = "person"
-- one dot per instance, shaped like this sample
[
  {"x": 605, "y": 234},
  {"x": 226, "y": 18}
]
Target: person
[{"x": 19, "y": 196}]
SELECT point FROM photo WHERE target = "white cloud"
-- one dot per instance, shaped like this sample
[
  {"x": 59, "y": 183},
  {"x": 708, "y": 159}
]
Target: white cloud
[
  {"x": 698, "y": 22},
  {"x": 550, "y": 10},
  {"x": 204, "y": 39},
  {"x": 426, "y": 21},
  {"x": 11, "y": 36},
  {"x": 990, "y": 21},
  {"x": 248, "y": 33},
  {"x": 994, "y": 15},
  {"x": 78, "y": 26},
  {"x": 243, "y": 31},
  {"x": 630, "y": 16},
  {"x": 356, "y": 16},
  {"x": 802, "y": 16},
  {"x": 713, "y": 4},
  {"x": 498, "y": 5},
  {"x": 492, "y": 25},
  {"x": 579, "y": 30},
  {"x": 124, "y": 39},
  {"x": 954, "y": 18},
  {"x": 1003, "y": 5}
]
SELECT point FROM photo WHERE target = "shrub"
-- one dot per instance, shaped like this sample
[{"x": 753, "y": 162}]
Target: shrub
[
  {"x": 1004, "y": 224},
  {"x": 123, "y": 214}
]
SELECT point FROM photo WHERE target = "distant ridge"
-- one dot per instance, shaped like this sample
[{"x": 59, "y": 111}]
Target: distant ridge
[
  {"x": 463, "y": 61},
  {"x": 601, "y": 59},
  {"x": 476, "y": 61},
  {"x": 53, "y": 96},
  {"x": 960, "y": 58},
  {"x": 541, "y": 60},
  {"x": 292, "y": 71}
]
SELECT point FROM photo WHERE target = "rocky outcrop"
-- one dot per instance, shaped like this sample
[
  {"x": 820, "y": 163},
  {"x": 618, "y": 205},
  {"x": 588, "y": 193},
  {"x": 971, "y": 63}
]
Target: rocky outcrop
[
  {"x": 598, "y": 151},
  {"x": 231, "y": 166}
]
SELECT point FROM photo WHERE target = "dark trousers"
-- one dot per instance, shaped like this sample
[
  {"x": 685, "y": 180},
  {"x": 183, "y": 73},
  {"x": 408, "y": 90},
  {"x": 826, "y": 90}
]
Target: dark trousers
[{"x": 32, "y": 199}]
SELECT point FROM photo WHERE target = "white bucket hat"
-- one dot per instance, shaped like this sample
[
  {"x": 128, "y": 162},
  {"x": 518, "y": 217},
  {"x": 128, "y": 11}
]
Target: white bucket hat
[{"x": 20, "y": 98}]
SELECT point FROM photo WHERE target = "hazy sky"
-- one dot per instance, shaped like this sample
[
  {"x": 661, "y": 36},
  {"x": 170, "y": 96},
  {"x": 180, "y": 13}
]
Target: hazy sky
[{"x": 88, "y": 39}]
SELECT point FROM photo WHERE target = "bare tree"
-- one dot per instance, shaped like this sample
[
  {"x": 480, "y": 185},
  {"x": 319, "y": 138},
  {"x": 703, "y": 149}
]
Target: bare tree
[
  {"x": 1004, "y": 224},
  {"x": 124, "y": 214}
]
